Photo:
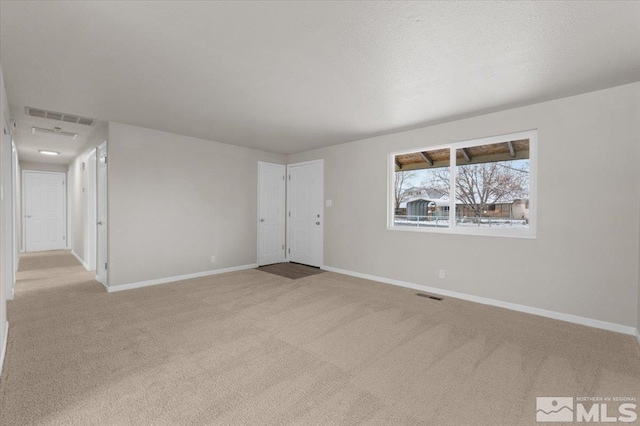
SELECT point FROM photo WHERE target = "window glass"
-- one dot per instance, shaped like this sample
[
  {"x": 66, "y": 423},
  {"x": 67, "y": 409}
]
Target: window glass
[
  {"x": 421, "y": 189},
  {"x": 492, "y": 185}
]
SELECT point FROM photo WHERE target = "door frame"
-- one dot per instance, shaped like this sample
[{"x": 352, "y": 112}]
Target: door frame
[
  {"x": 288, "y": 209},
  {"x": 24, "y": 206},
  {"x": 92, "y": 209},
  {"x": 284, "y": 237},
  {"x": 98, "y": 278}
]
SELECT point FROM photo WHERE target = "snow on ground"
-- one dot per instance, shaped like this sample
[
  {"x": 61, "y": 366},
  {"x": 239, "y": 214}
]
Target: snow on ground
[
  {"x": 519, "y": 224},
  {"x": 485, "y": 223}
]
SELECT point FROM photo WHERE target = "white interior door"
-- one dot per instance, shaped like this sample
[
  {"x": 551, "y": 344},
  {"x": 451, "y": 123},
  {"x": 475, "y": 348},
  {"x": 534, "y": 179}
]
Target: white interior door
[
  {"x": 305, "y": 212},
  {"x": 92, "y": 218},
  {"x": 15, "y": 217},
  {"x": 101, "y": 253},
  {"x": 271, "y": 217},
  {"x": 44, "y": 211}
]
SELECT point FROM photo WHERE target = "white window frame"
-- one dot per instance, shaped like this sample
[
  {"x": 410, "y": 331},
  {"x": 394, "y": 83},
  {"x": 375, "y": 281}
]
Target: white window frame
[{"x": 530, "y": 232}]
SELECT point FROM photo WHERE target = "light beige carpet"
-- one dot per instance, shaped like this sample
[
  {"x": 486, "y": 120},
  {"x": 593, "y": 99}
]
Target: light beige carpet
[{"x": 254, "y": 348}]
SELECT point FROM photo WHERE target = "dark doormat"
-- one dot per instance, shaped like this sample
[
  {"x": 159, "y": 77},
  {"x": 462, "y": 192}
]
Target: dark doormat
[{"x": 293, "y": 271}]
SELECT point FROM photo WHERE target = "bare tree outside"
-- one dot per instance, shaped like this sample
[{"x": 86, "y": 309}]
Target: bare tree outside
[
  {"x": 402, "y": 183},
  {"x": 480, "y": 185}
]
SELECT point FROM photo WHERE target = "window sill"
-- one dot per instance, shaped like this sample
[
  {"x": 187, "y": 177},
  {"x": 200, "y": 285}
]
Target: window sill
[{"x": 528, "y": 234}]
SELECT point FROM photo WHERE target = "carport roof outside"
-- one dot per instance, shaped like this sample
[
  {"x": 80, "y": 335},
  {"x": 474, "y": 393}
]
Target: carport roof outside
[{"x": 431, "y": 159}]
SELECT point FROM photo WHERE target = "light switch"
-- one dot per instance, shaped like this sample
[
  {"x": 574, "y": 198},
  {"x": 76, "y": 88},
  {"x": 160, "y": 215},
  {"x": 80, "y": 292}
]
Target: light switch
[{"x": 328, "y": 203}]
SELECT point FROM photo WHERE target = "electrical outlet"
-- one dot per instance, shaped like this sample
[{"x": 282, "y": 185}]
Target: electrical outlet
[
  {"x": 213, "y": 259},
  {"x": 441, "y": 273}
]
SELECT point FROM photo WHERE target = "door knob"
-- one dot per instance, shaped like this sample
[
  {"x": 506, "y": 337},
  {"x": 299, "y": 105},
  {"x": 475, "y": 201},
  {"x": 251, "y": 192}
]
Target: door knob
[
  {"x": 28, "y": 216},
  {"x": 261, "y": 220},
  {"x": 317, "y": 223},
  {"x": 99, "y": 222}
]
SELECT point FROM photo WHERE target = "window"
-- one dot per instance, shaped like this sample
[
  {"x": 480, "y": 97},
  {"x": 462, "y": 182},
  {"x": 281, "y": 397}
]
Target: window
[{"x": 483, "y": 187}]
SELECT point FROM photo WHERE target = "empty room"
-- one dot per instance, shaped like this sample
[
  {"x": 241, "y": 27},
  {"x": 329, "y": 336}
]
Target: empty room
[{"x": 319, "y": 213}]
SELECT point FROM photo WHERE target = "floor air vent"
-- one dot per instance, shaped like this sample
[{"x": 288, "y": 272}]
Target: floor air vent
[{"x": 428, "y": 296}]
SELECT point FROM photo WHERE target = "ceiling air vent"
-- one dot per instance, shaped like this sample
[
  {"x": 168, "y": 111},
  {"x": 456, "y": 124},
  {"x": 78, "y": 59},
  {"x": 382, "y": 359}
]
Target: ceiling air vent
[
  {"x": 54, "y": 115},
  {"x": 59, "y": 116},
  {"x": 36, "y": 113},
  {"x": 86, "y": 121}
]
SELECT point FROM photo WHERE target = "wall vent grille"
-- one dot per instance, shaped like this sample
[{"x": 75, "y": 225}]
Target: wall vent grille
[{"x": 59, "y": 116}]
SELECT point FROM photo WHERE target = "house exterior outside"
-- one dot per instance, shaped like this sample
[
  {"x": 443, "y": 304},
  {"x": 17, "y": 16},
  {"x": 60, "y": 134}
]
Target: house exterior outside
[{"x": 427, "y": 203}]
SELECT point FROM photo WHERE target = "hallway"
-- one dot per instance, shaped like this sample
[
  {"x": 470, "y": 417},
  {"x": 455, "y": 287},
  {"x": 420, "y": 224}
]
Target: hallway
[
  {"x": 51, "y": 292},
  {"x": 51, "y": 270}
]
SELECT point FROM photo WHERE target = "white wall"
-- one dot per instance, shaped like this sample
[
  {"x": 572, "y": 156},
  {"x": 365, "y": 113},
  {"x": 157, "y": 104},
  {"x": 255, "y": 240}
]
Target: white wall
[
  {"x": 77, "y": 193},
  {"x": 43, "y": 167},
  {"x": 174, "y": 201},
  {"x": 4, "y": 236},
  {"x": 584, "y": 261}
]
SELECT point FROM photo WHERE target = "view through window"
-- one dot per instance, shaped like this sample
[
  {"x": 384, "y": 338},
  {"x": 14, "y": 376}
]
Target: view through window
[{"x": 491, "y": 186}]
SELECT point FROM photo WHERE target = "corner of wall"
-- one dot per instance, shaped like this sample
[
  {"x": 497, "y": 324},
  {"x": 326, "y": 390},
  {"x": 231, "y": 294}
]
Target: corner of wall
[
  {"x": 78, "y": 240},
  {"x": 636, "y": 88}
]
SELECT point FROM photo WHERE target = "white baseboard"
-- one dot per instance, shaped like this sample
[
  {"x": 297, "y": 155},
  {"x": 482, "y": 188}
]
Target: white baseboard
[
  {"x": 4, "y": 346},
  {"x": 619, "y": 328},
  {"x": 82, "y": 262},
  {"x": 166, "y": 280},
  {"x": 637, "y": 334}
]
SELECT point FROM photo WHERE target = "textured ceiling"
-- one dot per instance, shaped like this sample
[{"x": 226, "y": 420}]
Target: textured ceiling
[{"x": 288, "y": 77}]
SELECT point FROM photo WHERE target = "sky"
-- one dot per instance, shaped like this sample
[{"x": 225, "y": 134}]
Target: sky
[{"x": 423, "y": 175}]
